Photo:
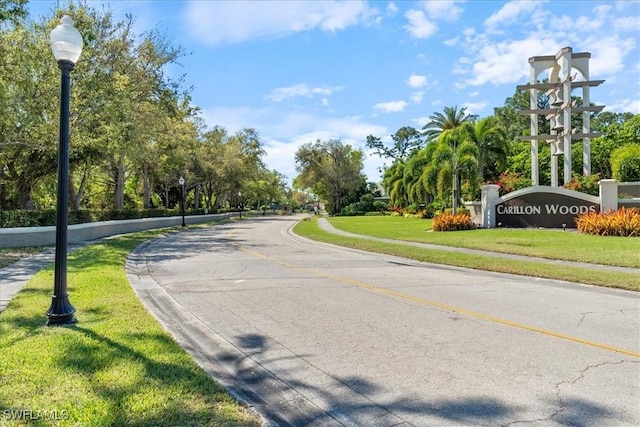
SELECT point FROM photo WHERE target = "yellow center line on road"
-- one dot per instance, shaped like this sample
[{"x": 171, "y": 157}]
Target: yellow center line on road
[{"x": 446, "y": 307}]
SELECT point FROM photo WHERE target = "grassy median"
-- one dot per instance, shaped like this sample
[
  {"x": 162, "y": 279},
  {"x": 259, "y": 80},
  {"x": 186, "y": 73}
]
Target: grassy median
[
  {"x": 552, "y": 244},
  {"x": 117, "y": 366}
]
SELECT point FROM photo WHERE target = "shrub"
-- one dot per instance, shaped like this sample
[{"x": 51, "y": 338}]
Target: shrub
[
  {"x": 435, "y": 208},
  {"x": 351, "y": 210},
  {"x": 450, "y": 222},
  {"x": 623, "y": 222},
  {"x": 625, "y": 163},
  {"x": 395, "y": 210},
  {"x": 470, "y": 191},
  {"x": 417, "y": 215},
  {"x": 412, "y": 209},
  {"x": 511, "y": 181},
  {"x": 380, "y": 206},
  {"x": 585, "y": 184},
  {"x": 47, "y": 217}
]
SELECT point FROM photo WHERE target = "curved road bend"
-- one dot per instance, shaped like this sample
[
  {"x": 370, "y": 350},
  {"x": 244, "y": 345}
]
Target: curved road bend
[{"x": 315, "y": 335}]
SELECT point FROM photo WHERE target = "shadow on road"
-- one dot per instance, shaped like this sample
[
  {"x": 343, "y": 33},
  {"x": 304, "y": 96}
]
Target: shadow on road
[{"x": 414, "y": 410}]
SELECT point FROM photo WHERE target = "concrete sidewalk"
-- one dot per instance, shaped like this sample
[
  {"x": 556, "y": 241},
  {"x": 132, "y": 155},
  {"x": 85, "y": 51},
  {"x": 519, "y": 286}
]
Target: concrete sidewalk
[{"x": 15, "y": 276}]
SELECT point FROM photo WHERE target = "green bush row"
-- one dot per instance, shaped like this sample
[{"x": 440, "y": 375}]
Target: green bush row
[{"x": 47, "y": 217}]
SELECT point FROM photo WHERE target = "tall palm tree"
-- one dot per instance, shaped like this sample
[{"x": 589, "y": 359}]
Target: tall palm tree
[
  {"x": 492, "y": 143},
  {"x": 393, "y": 183},
  {"x": 413, "y": 176},
  {"x": 455, "y": 157},
  {"x": 439, "y": 122}
]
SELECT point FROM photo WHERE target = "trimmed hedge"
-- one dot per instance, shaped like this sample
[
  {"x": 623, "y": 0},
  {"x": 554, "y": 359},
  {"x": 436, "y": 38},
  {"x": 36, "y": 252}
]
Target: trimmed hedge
[{"x": 47, "y": 217}]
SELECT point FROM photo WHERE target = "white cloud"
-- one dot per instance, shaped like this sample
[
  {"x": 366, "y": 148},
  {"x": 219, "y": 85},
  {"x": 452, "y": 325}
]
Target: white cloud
[
  {"x": 445, "y": 10},
  {"x": 475, "y": 107},
  {"x": 391, "y": 106},
  {"x": 607, "y": 55},
  {"x": 280, "y": 155},
  {"x": 416, "y": 81},
  {"x": 451, "y": 42},
  {"x": 416, "y": 97},
  {"x": 392, "y": 9},
  {"x": 625, "y": 105},
  {"x": 626, "y": 23},
  {"x": 419, "y": 26},
  {"x": 509, "y": 14},
  {"x": 506, "y": 62},
  {"x": 420, "y": 121},
  {"x": 224, "y": 22},
  {"x": 232, "y": 119},
  {"x": 350, "y": 130},
  {"x": 490, "y": 58},
  {"x": 300, "y": 89},
  {"x": 283, "y": 134}
]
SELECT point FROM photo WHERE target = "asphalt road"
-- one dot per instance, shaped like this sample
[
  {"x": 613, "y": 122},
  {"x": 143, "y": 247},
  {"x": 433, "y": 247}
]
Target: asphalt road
[{"x": 314, "y": 335}]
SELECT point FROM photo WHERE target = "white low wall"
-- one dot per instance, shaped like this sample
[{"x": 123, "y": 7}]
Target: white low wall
[{"x": 45, "y": 236}]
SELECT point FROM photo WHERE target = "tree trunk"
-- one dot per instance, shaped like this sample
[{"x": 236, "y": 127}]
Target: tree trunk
[
  {"x": 119, "y": 190},
  {"x": 146, "y": 187},
  {"x": 196, "y": 200},
  {"x": 166, "y": 193},
  {"x": 455, "y": 192},
  {"x": 73, "y": 196},
  {"x": 25, "y": 194}
]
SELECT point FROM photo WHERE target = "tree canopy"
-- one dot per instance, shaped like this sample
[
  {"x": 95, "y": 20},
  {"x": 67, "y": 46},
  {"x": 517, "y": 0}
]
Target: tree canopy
[
  {"x": 331, "y": 170},
  {"x": 134, "y": 131}
]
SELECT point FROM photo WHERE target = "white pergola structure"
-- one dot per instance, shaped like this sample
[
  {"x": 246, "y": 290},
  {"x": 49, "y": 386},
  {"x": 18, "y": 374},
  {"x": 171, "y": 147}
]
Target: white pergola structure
[{"x": 561, "y": 83}]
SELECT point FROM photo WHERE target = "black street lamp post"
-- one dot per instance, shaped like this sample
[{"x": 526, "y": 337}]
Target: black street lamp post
[
  {"x": 66, "y": 45},
  {"x": 181, "y": 181},
  {"x": 240, "y": 202}
]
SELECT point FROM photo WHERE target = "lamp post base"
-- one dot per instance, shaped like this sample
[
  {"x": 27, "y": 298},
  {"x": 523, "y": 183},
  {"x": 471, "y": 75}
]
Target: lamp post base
[{"x": 61, "y": 312}]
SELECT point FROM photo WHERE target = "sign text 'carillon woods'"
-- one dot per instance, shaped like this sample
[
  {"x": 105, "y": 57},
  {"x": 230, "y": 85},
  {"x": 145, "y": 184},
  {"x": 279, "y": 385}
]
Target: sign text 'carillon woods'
[{"x": 542, "y": 208}]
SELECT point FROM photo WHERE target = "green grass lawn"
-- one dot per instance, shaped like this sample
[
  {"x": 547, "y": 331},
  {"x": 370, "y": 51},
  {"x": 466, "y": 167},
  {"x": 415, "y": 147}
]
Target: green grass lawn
[
  {"x": 117, "y": 366},
  {"x": 415, "y": 229},
  {"x": 552, "y": 244}
]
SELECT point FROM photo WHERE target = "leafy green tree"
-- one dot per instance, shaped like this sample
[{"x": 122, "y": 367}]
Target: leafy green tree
[
  {"x": 618, "y": 129},
  {"x": 267, "y": 188},
  {"x": 513, "y": 123},
  {"x": 414, "y": 177},
  {"x": 406, "y": 141},
  {"x": 332, "y": 170},
  {"x": 124, "y": 95},
  {"x": 455, "y": 158},
  {"x": 625, "y": 162},
  {"x": 28, "y": 126},
  {"x": 394, "y": 185},
  {"x": 226, "y": 164},
  {"x": 13, "y": 11},
  {"x": 449, "y": 119},
  {"x": 493, "y": 147}
]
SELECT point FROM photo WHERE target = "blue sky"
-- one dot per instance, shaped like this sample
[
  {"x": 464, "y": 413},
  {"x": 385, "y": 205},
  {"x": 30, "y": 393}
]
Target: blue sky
[{"x": 298, "y": 71}]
